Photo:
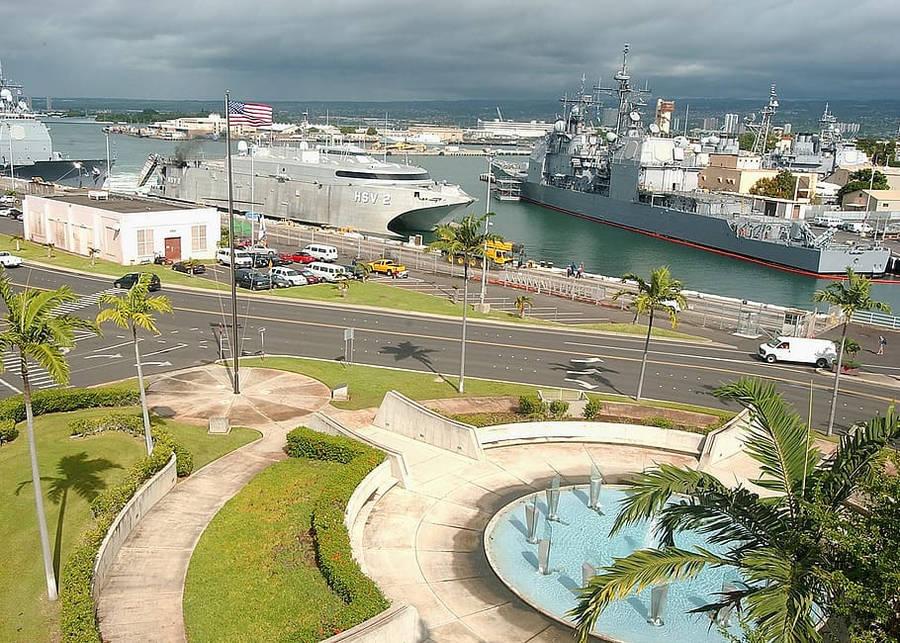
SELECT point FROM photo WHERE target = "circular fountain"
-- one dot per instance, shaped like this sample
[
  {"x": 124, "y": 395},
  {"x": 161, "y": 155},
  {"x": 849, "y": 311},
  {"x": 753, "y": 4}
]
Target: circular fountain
[{"x": 546, "y": 545}]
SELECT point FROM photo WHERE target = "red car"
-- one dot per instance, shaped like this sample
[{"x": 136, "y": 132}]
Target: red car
[
  {"x": 310, "y": 277},
  {"x": 298, "y": 257}
]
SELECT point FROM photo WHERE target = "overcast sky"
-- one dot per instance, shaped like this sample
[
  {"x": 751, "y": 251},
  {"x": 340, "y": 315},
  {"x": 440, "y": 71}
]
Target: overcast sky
[{"x": 425, "y": 49}]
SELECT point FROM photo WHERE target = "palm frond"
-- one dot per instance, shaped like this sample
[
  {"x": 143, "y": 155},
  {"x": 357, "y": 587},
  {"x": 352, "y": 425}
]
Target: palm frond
[
  {"x": 777, "y": 438},
  {"x": 633, "y": 573},
  {"x": 51, "y": 358},
  {"x": 840, "y": 473},
  {"x": 649, "y": 491}
]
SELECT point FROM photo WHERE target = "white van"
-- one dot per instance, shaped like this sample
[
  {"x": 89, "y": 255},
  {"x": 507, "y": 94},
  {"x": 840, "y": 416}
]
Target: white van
[
  {"x": 241, "y": 258},
  {"x": 803, "y": 350},
  {"x": 827, "y": 221},
  {"x": 322, "y": 253},
  {"x": 327, "y": 271},
  {"x": 859, "y": 227}
]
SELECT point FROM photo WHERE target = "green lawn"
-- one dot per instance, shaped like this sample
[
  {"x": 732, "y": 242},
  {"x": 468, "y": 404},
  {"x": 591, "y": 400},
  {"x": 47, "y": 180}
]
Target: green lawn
[
  {"x": 253, "y": 575},
  {"x": 372, "y": 293},
  {"x": 73, "y": 472},
  {"x": 368, "y": 384}
]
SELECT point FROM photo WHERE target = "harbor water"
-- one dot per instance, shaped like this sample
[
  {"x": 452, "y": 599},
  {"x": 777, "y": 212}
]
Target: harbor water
[{"x": 546, "y": 234}]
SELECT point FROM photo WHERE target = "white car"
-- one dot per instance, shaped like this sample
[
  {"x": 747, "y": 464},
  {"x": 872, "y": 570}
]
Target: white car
[
  {"x": 286, "y": 277},
  {"x": 8, "y": 260}
]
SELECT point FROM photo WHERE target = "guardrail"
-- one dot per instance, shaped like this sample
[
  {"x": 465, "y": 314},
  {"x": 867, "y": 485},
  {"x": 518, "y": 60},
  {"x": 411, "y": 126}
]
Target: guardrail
[{"x": 873, "y": 318}]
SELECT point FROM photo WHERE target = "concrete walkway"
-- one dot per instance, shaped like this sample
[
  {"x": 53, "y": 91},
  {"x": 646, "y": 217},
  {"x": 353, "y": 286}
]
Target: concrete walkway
[
  {"x": 141, "y": 599},
  {"x": 423, "y": 545}
]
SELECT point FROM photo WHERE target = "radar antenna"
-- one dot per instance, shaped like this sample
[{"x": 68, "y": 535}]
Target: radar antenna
[
  {"x": 762, "y": 128},
  {"x": 628, "y": 105}
]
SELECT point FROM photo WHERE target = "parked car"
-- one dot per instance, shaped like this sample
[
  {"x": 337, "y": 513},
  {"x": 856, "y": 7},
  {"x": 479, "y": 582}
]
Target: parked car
[
  {"x": 7, "y": 198},
  {"x": 9, "y": 260},
  {"x": 260, "y": 250},
  {"x": 241, "y": 258},
  {"x": 266, "y": 260},
  {"x": 286, "y": 277},
  {"x": 255, "y": 280},
  {"x": 189, "y": 267},
  {"x": 16, "y": 214},
  {"x": 327, "y": 272},
  {"x": 356, "y": 271},
  {"x": 388, "y": 267},
  {"x": 804, "y": 350},
  {"x": 328, "y": 254},
  {"x": 310, "y": 277},
  {"x": 859, "y": 227},
  {"x": 128, "y": 280},
  {"x": 300, "y": 256}
]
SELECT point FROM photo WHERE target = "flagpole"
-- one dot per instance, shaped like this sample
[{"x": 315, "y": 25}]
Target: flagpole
[{"x": 235, "y": 343}]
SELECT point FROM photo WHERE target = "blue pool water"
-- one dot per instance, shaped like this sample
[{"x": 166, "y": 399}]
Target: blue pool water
[{"x": 586, "y": 539}]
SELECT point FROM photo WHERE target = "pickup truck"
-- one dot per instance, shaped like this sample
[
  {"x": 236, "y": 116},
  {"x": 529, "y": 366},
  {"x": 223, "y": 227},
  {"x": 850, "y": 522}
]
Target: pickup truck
[
  {"x": 8, "y": 260},
  {"x": 388, "y": 267}
]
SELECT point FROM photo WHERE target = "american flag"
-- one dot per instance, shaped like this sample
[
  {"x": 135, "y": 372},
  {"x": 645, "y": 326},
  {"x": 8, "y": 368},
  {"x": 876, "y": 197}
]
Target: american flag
[{"x": 255, "y": 114}]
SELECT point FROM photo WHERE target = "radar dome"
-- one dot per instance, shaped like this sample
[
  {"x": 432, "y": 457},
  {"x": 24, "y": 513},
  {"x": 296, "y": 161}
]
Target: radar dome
[
  {"x": 242, "y": 147},
  {"x": 611, "y": 136},
  {"x": 634, "y": 116},
  {"x": 6, "y": 95},
  {"x": 559, "y": 126},
  {"x": 654, "y": 128}
]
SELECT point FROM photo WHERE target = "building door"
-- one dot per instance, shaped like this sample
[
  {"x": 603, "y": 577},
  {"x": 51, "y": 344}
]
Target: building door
[{"x": 173, "y": 249}]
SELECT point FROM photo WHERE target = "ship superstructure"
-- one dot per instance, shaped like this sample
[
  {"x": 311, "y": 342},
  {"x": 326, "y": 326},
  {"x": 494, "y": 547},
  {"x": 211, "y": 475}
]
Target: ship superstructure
[
  {"x": 339, "y": 186},
  {"x": 26, "y": 150},
  {"x": 634, "y": 178}
]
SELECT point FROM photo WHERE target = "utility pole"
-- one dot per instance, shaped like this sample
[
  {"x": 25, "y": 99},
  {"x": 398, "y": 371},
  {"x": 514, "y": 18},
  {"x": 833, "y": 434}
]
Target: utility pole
[
  {"x": 487, "y": 209},
  {"x": 234, "y": 320}
]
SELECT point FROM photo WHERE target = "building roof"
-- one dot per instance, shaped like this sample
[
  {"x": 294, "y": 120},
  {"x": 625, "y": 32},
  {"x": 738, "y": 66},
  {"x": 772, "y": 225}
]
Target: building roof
[
  {"x": 883, "y": 195},
  {"x": 118, "y": 203}
]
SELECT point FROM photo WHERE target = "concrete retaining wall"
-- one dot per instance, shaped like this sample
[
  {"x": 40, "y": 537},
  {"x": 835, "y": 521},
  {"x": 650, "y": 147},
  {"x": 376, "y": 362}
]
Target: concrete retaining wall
[
  {"x": 725, "y": 441},
  {"x": 401, "y": 415},
  {"x": 134, "y": 510},
  {"x": 375, "y": 484},
  {"x": 598, "y": 432},
  {"x": 397, "y": 624},
  {"x": 320, "y": 422}
]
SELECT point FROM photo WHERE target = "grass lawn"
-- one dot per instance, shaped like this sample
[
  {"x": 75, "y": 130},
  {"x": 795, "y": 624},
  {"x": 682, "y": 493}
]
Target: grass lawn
[
  {"x": 371, "y": 293},
  {"x": 73, "y": 472},
  {"x": 253, "y": 575},
  {"x": 368, "y": 384}
]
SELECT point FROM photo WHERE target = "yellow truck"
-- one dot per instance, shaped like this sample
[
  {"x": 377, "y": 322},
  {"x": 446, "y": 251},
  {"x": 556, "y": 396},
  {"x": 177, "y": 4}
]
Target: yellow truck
[
  {"x": 499, "y": 253},
  {"x": 388, "y": 267}
]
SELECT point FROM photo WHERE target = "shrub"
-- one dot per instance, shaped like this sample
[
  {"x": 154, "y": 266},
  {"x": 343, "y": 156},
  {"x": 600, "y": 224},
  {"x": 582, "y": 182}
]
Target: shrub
[
  {"x": 334, "y": 556},
  {"x": 73, "y": 399},
  {"x": 661, "y": 422},
  {"x": 593, "y": 408},
  {"x": 131, "y": 424},
  {"x": 8, "y": 431},
  {"x": 559, "y": 409},
  {"x": 77, "y": 620},
  {"x": 533, "y": 406},
  {"x": 489, "y": 419}
]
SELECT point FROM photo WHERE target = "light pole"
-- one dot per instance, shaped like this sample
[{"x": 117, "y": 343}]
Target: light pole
[
  {"x": 108, "y": 169},
  {"x": 487, "y": 209}
]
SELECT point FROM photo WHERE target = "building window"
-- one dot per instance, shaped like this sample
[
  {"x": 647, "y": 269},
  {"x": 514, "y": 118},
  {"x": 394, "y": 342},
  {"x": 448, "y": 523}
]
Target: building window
[
  {"x": 198, "y": 238},
  {"x": 145, "y": 242}
]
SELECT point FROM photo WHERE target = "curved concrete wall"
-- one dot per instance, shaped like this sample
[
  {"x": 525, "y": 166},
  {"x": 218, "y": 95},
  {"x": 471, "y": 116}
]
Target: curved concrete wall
[
  {"x": 397, "y": 624},
  {"x": 134, "y": 510},
  {"x": 401, "y": 415},
  {"x": 379, "y": 480},
  {"x": 600, "y": 432},
  {"x": 725, "y": 441}
]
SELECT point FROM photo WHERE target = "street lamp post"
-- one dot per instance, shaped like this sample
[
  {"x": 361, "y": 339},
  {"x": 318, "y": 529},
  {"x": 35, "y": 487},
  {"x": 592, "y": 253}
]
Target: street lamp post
[{"x": 487, "y": 209}]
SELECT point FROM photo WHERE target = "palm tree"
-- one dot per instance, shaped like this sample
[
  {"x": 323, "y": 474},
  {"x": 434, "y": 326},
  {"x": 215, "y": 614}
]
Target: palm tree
[
  {"x": 523, "y": 302},
  {"x": 466, "y": 241},
  {"x": 343, "y": 284},
  {"x": 135, "y": 310},
  {"x": 34, "y": 331},
  {"x": 775, "y": 543},
  {"x": 92, "y": 253},
  {"x": 660, "y": 293},
  {"x": 18, "y": 238},
  {"x": 50, "y": 246},
  {"x": 850, "y": 296}
]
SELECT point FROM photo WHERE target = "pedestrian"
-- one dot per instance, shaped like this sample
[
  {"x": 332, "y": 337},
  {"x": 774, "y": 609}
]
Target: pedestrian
[
  {"x": 882, "y": 342},
  {"x": 581, "y": 270}
]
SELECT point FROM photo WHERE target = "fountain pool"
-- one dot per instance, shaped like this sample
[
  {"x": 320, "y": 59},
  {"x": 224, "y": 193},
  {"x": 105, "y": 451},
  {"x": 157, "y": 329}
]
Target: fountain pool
[{"x": 583, "y": 537}]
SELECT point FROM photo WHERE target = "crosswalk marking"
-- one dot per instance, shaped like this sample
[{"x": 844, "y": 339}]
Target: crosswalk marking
[{"x": 87, "y": 300}]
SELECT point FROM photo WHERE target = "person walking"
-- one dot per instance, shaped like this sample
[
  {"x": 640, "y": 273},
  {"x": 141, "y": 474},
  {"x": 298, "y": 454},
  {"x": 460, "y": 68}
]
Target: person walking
[{"x": 882, "y": 342}]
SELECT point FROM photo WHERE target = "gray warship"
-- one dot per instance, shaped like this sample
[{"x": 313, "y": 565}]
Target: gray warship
[
  {"x": 337, "y": 186},
  {"x": 641, "y": 181},
  {"x": 26, "y": 150}
]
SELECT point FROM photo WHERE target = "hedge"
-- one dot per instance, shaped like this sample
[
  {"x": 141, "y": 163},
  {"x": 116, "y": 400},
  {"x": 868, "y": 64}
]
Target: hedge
[
  {"x": 8, "y": 431},
  {"x": 77, "y": 621},
  {"x": 70, "y": 399},
  {"x": 334, "y": 557},
  {"x": 131, "y": 424}
]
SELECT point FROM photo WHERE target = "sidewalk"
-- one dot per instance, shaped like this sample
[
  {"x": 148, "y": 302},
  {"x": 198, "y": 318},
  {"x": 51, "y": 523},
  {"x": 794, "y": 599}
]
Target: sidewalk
[{"x": 142, "y": 597}]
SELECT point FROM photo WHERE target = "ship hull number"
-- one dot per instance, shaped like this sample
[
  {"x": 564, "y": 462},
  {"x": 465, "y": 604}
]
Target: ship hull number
[{"x": 361, "y": 196}]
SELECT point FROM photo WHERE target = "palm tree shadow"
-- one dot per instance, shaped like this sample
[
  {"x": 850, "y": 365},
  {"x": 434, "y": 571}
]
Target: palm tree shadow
[
  {"x": 80, "y": 475},
  {"x": 593, "y": 378},
  {"x": 408, "y": 350}
]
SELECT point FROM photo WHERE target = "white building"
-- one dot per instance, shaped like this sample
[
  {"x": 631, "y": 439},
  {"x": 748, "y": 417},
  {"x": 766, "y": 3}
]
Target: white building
[{"x": 124, "y": 230}]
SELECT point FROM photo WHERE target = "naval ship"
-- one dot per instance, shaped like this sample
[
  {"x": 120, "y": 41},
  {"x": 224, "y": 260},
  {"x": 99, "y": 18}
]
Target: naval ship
[
  {"x": 26, "y": 150},
  {"x": 637, "y": 179},
  {"x": 339, "y": 186}
]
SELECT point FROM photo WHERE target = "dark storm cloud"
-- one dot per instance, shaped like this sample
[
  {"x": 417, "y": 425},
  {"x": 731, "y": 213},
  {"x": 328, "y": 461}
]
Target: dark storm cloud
[{"x": 398, "y": 49}]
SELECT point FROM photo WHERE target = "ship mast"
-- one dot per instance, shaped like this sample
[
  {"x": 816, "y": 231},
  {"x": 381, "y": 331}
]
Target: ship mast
[
  {"x": 762, "y": 129},
  {"x": 628, "y": 115}
]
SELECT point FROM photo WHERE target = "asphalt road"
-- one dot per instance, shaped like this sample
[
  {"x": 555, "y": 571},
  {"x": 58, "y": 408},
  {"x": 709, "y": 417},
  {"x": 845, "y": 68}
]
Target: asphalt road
[{"x": 677, "y": 371}]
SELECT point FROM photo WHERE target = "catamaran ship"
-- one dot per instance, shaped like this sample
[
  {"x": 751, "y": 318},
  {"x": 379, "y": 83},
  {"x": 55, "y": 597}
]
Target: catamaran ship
[
  {"x": 26, "y": 150},
  {"x": 338, "y": 186},
  {"x": 643, "y": 181}
]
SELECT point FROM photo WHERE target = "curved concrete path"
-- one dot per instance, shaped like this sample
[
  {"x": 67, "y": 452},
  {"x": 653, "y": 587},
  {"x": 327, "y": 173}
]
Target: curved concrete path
[
  {"x": 141, "y": 598},
  {"x": 423, "y": 545}
]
